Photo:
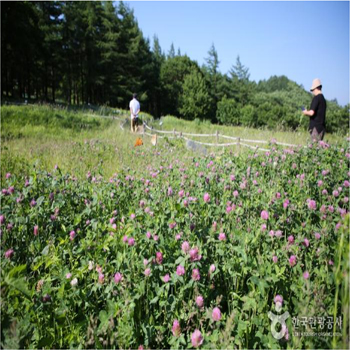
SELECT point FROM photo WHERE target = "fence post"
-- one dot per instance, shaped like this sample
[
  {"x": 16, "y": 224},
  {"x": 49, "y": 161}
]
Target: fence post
[
  {"x": 217, "y": 137},
  {"x": 239, "y": 145},
  {"x": 174, "y": 132}
]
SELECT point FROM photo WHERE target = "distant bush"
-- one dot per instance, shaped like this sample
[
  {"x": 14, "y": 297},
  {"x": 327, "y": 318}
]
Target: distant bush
[
  {"x": 248, "y": 116},
  {"x": 195, "y": 99},
  {"x": 228, "y": 112}
]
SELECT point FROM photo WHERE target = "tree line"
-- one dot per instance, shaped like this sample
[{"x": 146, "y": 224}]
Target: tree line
[{"x": 95, "y": 53}]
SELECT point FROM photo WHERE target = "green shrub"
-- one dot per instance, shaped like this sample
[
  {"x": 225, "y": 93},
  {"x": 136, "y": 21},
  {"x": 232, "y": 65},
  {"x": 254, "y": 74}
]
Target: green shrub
[{"x": 228, "y": 112}]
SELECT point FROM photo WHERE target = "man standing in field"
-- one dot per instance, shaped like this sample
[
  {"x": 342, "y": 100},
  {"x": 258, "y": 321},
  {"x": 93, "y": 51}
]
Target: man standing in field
[
  {"x": 134, "y": 106},
  {"x": 317, "y": 112}
]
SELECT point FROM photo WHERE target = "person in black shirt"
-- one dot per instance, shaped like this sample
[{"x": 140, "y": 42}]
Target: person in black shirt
[{"x": 317, "y": 112}]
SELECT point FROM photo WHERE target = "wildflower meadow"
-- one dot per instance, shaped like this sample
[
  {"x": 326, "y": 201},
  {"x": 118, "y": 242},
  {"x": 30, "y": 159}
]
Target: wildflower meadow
[
  {"x": 159, "y": 188},
  {"x": 199, "y": 251}
]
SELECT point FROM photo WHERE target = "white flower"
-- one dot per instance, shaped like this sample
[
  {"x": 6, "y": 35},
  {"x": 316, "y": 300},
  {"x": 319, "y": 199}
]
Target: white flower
[
  {"x": 74, "y": 282},
  {"x": 91, "y": 265}
]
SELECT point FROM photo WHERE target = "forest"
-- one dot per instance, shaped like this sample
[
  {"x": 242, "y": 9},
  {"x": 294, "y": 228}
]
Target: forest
[{"x": 94, "y": 52}]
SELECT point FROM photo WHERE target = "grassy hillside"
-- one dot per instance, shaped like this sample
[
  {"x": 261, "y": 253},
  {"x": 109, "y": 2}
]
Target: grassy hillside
[
  {"x": 82, "y": 141},
  {"x": 78, "y": 142}
]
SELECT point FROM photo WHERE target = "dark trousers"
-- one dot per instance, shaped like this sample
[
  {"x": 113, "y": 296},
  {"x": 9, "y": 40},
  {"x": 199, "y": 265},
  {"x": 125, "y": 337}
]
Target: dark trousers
[{"x": 134, "y": 125}]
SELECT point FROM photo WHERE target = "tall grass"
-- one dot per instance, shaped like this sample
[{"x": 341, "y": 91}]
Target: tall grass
[
  {"x": 82, "y": 140},
  {"x": 42, "y": 137},
  {"x": 299, "y": 137}
]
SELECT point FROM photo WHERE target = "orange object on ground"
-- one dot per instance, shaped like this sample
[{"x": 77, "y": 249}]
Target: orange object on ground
[{"x": 138, "y": 142}]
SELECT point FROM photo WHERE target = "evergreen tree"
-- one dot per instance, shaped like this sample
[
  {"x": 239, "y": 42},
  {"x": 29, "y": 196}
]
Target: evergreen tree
[
  {"x": 172, "y": 74},
  {"x": 157, "y": 51},
  {"x": 195, "y": 100},
  {"x": 274, "y": 83},
  {"x": 50, "y": 26},
  {"x": 110, "y": 56},
  {"x": 228, "y": 112},
  {"x": 240, "y": 87},
  {"x": 73, "y": 33},
  {"x": 214, "y": 79},
  {"x": 136, "y": 59},
  {"x": 213, "y": 62},
  {"x": 92, "y": 61},
  {"x": 171, "y": 51},
  {"x": 21, "y": 46},
  {"x": 94, "y": 52},
  {"x": 239, "y": 71},
  {"x": 156, "y": 93}
]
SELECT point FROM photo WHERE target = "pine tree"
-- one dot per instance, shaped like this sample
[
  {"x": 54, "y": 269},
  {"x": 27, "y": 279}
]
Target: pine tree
[
  {"x": 157, "y": 51},
  {"x": 73, "y": 33},
  {"x": 214, "y": 79},
  {"x": 21, "y": 46},
  {"x": 239, "y": 71},
  {"x": 110, "y": 57},
  {"x": 136, "y": 59},
  {"x": 172, "y": 74},
  {"x": 195, "y": 100},
  {"x": 240, "y": 87},
  {"x": 171, "y": 53},
  {"x": 213, "y": 61},
  {"x": 155, "y": 96},
  {"x": 92, "y": 23},
  {"x": 50, "y": 26}
]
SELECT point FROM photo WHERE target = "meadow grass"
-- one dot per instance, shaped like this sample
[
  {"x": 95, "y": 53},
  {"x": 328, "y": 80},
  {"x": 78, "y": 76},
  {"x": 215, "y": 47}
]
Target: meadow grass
[
  {"x": 42, "y": 137},
  {"x": 79, "y": 141},
  {"x": 299, "y": 137}
]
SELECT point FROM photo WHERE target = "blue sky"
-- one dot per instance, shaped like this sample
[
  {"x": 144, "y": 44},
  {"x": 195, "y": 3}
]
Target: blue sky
[{"x": 302, "y": 40}]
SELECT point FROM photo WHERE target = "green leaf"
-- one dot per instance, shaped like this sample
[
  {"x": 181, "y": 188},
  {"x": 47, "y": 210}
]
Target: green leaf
[
  {"x": 17, "y": 270},
  {"x": 60, "y": 292},
  {"x": 249, "y": 303},
  {"x": 180, "y": 260},
  {"x": 77, "y": 220},
  {"x": 112, "y": 307},
  {"x": 220, "y": 252},
  {"x": 36, "y": 267},
  {"x": 46, "y": 250},
  {"x": 103, "y": 317},
  {"x": 18, "y": 284},
  {"x": 242, "y": 326},
  {"x": 154, "y": 300},
  {"x": 39, "y": 201},
  {"x": 182, "y": 340}
]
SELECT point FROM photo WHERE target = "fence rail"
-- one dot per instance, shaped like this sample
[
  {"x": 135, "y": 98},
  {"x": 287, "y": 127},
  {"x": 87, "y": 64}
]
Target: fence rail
[
  {"x": 179, "y": 134},
  {"x": 183, "y": 135},
  {"x": 238, "y": 142}
]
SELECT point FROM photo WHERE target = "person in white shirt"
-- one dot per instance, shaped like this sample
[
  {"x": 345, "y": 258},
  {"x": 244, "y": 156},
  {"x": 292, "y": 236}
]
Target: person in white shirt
[{"x": 134, "y": 106}]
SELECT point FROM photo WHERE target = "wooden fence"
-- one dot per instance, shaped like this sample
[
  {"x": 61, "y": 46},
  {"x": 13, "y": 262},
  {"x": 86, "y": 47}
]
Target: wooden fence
[{"x": 238, "y": 141}]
